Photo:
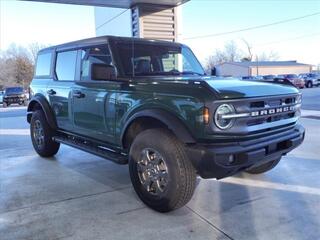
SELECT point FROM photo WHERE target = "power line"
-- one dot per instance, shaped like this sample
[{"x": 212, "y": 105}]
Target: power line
[
  {"x": 290, "y": 39},
  {"x": 254, "y": 27},
  {"x": 113, "y": 18}
]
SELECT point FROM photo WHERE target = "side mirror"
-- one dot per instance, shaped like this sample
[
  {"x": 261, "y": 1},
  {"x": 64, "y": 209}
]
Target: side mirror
[
  {"x": 102, "y": 72},
  {"x": 213, "y": 72}
]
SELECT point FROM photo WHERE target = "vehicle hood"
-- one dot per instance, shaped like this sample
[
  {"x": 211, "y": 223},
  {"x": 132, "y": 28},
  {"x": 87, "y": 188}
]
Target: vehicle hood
[
  {"x": 13, "y": 94},
  {"x": 229, "y": 89},
  {"x": 232, "y": 88}
]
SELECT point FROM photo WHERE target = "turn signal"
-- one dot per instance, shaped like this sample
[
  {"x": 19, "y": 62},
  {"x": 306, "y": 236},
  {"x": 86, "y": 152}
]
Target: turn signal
[{"x": 206, "y": 115}]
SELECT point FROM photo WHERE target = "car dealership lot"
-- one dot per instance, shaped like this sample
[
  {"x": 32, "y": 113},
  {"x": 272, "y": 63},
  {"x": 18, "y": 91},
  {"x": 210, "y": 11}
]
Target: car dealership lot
[{"x": 76, "y": 195}]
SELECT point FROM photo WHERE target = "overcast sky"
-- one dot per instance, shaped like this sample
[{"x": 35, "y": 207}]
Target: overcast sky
[{"x": 26, "y": 22}]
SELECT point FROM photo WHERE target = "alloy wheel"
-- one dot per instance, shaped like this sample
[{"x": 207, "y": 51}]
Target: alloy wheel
[
  {"x": 153, "y": 171},
  {"x": 38, "y": 133}
]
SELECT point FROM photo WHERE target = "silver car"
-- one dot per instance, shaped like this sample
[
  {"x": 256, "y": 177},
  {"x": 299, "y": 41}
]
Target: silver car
[
  {"x": 310, "y": 79},
  {"x": 1, "y": 96}
]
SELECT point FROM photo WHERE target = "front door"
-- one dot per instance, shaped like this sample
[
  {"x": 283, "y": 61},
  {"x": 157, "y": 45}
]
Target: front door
[{"x": 94, "y": 101}]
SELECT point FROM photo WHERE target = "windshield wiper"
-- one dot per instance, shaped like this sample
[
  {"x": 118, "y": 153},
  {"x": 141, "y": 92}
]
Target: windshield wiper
[
  {"x": 191, "y": 72},
  {"x": 176, "y": 72}
]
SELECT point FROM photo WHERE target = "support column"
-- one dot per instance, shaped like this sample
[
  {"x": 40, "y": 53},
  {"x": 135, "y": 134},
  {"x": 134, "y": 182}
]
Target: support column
[{"x": 154, "y": 21}]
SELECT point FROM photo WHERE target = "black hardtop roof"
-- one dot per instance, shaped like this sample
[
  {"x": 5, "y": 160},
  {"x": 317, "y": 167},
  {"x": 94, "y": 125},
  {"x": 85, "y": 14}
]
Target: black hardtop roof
[{"x": 105, "y": 39}]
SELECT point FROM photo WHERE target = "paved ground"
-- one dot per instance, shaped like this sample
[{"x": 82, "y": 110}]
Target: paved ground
[
  {"x": 311, "y": 98},
  {"x": 79, "y": 196}
]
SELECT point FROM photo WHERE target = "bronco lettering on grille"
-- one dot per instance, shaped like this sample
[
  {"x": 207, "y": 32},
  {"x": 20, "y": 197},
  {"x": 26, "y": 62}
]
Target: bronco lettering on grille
[{"x": 272, "y": 111}]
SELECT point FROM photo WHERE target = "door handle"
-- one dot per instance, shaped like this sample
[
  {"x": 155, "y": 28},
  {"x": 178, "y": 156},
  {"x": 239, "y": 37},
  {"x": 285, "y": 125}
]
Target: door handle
[
  {"x": 51, "y": 92},
  {"x": 78, "y": 94}
]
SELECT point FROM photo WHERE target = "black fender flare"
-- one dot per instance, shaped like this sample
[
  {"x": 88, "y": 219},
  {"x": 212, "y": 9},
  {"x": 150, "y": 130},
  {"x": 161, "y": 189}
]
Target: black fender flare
[
  {"x": 45, "y": 106},
  {"x": 172, "y": 122}
]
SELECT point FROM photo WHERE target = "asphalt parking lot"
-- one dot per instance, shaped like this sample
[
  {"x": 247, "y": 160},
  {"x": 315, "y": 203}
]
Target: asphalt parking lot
[{"x": 76, "y": 195}]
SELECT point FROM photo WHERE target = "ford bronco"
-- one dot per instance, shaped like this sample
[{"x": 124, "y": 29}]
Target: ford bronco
[
  {"x": 14, "y": 95},
  {"x": 149, "y": 104}
]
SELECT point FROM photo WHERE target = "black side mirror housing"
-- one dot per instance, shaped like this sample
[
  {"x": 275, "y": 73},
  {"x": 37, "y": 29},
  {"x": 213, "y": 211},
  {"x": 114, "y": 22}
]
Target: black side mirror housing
[
  {"x": 102, "y": 72},
  {"x": 213, "y": 72}
]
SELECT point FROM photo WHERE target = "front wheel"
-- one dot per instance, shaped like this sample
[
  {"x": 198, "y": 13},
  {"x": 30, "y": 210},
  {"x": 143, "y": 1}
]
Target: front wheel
[
  {"x": 42, "y": 134},
  {"x": 161, "y": 173},
  {"x": 309, "y": 84},
  {"x": 264, "y": 167}
]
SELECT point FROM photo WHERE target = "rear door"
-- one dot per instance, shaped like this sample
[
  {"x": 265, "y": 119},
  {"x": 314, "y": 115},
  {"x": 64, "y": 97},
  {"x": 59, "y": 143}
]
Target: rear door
[
  {"x": 59, "y": 91},
  {"x": 94, "y": 101}
]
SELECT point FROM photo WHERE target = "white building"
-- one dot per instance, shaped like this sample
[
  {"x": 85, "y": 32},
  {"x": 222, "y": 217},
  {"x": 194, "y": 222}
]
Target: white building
[{"x": 239, "y": 69}]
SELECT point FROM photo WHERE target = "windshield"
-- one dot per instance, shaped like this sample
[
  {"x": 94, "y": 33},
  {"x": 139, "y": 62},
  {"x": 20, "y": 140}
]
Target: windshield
[
  {"x": 145, "y": 59},
  {"x": 292, "y": 76},
  {"x": 17, "y": 90}
]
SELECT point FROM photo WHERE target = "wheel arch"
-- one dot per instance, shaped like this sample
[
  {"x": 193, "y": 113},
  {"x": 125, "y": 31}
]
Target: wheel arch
[
  {"x": 152, "y": 118},
  {"x": 40, "y": 102}
]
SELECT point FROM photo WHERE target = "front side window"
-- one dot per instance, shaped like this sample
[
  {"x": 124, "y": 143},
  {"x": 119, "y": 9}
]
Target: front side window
[
  {"x": 66, "y": 65},
  {"x": 145, "y": 59},
  {"x": 43, "y": 64},
  {"x": 99, "y": 54}
]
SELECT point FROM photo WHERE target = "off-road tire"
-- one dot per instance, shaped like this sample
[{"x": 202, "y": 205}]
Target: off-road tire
[
  {"x": 49, "y": 147},
  {"x": 309, "y": 84},
  {"x": 181, "y": 173},
  {"x": 263, "y": 168}
]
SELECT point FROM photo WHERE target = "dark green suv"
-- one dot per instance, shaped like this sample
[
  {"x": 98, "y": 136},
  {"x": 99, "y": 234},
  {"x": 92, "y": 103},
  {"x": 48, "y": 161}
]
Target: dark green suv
[
  {"x": 14, "y": 95},
  {"x": 149, "y": 104}
]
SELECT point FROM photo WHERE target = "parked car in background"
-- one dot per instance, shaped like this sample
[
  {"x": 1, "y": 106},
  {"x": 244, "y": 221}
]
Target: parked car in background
[
  {"x": 269, "y": 77},
  {"x": 310, "y": 79},
  {"x": 14, "y": 95},
  {"x": 251, "y": 78},
  {"x": 293, "y": 78},
  {"x": 1, "y": 96}
]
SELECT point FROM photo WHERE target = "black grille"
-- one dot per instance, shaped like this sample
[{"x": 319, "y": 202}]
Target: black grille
[{"x": 271, "y": 104}]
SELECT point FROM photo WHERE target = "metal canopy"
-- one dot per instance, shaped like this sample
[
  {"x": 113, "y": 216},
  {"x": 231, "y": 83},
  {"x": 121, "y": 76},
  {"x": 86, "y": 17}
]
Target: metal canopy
[{"x": 116, "y": 3}]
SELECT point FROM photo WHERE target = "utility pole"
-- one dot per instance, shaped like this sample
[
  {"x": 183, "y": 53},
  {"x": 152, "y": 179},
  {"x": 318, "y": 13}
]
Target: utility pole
[{"x": 257, "y": 60}]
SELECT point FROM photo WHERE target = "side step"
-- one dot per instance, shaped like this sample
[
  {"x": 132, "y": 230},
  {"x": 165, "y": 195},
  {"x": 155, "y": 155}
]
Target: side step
[{"x": 92, "y": 148}]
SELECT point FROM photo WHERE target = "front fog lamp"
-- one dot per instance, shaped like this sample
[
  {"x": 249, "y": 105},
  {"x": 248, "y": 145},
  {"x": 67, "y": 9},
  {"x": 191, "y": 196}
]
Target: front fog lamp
[{"x": 221, "y": 116}]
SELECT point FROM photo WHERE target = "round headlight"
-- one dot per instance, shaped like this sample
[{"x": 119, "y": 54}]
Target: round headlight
[{"x": 221, "y": 121}]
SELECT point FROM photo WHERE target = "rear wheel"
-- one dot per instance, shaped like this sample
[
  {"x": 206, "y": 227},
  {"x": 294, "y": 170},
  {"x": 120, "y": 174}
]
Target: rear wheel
[
  {"x": 309, "y": 84},
  {"x": 264, "y": 167},
  {"x": 161, "y": 173},
  {"x": 42, "y": 134}
]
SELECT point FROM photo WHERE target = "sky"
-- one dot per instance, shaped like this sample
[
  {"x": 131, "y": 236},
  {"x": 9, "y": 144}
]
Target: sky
[{"x": 23, "y": 23}]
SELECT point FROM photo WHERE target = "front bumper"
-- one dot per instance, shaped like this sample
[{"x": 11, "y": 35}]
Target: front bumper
[
  {"x": 12, "y": 100},
  {"x": 219, "y": 160}
]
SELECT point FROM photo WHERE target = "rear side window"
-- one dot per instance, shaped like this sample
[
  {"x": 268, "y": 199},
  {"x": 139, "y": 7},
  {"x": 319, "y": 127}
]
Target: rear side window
[
  {"x": 66, "y": 65},
  {"x": 98, "y": 54},
  {"x": 43, "y": 64}
]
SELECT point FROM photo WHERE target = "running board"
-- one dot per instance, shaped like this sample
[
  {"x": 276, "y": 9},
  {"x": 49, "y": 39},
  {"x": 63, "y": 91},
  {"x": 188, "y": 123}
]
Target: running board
[{"x": 92, "y": 148}]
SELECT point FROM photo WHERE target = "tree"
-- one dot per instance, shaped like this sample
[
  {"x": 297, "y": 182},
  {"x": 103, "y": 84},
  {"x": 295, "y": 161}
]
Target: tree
[
  {"x": 250, "y": 54},
  {"x": 34, "y": 48},
  {"x": 17, "y": 64},
  {"x": 230, "y": 53},
  {"x": 268, "y": 56}
]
